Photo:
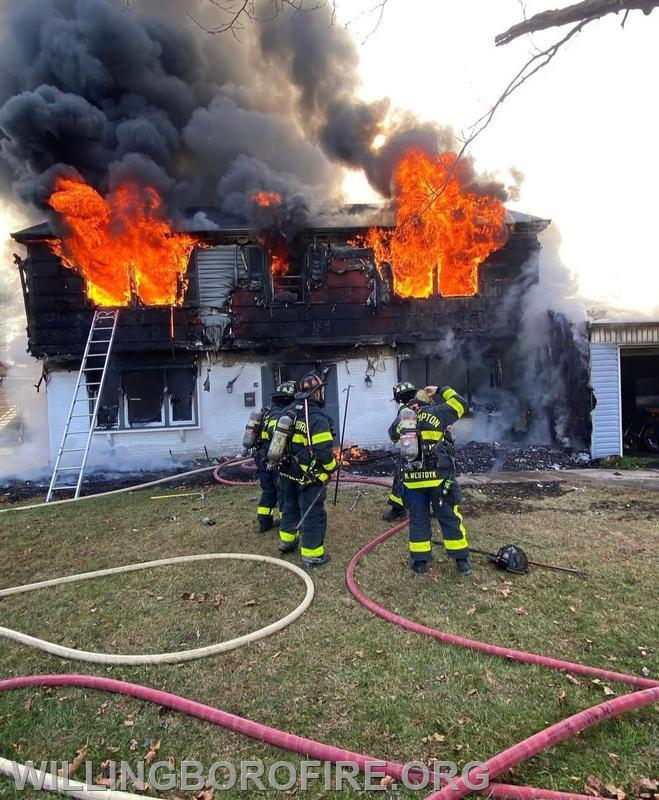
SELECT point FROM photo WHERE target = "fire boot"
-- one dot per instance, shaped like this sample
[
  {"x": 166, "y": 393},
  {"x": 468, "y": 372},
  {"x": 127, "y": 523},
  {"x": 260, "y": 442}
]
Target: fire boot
[
  {"x": 419, "y": 567},
  {"x": 309, "y": 562},
  {"x": 463, "y": 565},
  {"x": 288, "y": 547},
  {"x": 394, "y": 513},
  {"x": 265, "y": 525}
]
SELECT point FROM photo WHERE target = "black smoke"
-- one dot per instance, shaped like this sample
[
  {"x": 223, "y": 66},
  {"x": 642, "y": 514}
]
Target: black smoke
[{"x": 110, "y": 93}]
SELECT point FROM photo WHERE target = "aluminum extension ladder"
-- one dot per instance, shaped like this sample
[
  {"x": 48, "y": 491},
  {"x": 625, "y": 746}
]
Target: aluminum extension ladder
[{"x": 74, "y": 448}]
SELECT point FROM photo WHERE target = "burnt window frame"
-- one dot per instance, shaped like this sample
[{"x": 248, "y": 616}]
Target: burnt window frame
[{"x": 166, "y": 408}]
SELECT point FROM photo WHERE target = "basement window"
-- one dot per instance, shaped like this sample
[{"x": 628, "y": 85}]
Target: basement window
[{"x": 150, "y": 397}]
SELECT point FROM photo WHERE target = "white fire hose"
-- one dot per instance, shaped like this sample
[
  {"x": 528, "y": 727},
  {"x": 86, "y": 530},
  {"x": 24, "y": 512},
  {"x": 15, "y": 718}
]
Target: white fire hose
[{"x": 159, "y": 658}]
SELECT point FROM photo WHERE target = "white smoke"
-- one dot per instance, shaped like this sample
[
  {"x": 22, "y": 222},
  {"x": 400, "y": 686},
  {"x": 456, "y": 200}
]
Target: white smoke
[{"x": 23, "y": 412}]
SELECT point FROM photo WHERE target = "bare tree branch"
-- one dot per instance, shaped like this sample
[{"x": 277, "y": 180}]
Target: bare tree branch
[{"x": 584, "y": 11}]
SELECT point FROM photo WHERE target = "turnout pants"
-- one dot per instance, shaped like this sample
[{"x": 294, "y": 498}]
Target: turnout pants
[
  {"x": 268, "y": 480},
  {"x": 296, "y": 499},
  {"x": 419, "y": 504},
  {"x": 395, "y": 499}
]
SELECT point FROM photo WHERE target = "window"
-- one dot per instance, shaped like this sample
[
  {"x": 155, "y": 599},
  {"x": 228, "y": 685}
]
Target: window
[{"x": 147, "y": 397}]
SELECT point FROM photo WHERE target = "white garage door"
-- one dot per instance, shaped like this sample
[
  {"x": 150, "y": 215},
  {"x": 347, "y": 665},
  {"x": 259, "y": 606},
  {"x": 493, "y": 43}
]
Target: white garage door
[{"x": 607, "y": 416}]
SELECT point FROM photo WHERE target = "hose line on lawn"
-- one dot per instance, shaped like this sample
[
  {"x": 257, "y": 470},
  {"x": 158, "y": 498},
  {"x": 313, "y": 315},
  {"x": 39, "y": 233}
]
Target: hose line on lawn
[
  {"x": 160, "y": 658},
  {"x": 496, "y": 765},
  {"x": 24, "y": 774}
]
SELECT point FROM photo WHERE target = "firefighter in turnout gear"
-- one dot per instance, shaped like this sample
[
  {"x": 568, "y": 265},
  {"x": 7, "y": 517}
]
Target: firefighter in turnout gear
[
  {"x": 269, "y": 478},
  {"x": 403, "y": 393},
  {"x": 428, "y": 476},
  {"x": 305, "y": 471}
]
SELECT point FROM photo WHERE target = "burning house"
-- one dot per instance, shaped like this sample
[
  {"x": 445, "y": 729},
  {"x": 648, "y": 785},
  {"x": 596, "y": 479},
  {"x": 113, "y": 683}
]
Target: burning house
[
  {"x": 192, "y": 190},
  {"x": 211, "y": 319}
]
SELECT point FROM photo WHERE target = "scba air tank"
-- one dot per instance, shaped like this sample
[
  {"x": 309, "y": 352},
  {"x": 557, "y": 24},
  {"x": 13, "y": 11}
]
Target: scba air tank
[
  {"x": 280, "y": 439},
  {"x": 409, "y": 439},
  {"x": 252, "y": 429}
]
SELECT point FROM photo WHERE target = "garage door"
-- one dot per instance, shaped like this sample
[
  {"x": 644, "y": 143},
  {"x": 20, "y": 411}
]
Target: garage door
[{"x": 605, "y": 380}]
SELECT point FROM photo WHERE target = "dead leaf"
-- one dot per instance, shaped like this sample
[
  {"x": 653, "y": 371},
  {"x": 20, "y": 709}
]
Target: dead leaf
[
  {"x": 249, "y": 603},
  {"x": 387, "y": 781},
  {"x": 505, "y": 591},
  {"x": 521, "y": 611},
  {"x": 218, "y": 600},
  {"x": 171, "y": 763},
  {"x": 608, "y": 691},
  {"x": 457, "y": 747},
  {"x": 188, "y": 596},
  {"x": 78, "y": 761},
  {"x": 471, "y": 611},
  {"x": 594, "y": 786},
  {"x": 613, "y": 759},
  {"x": 359, "y": 653},
  {"x": 572, "y": 679},
  {"x": 113, "y": 749},
  {"x": 562, "y": 697},
  {"x": 472, "y": 692},
  {"x": 207, "y": 794},
  {"x": 128, "y": 723},
  {"x": 614, "y": 791},
  {"x": 133, "y": 745},
  {"x": 150, "y": 757}
]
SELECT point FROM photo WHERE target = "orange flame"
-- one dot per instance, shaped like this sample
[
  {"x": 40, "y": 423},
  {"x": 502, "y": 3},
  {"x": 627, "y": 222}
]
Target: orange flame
[
  {"x": 121, "y": 244},
  {"x": 267, "y": 199},
  {"x": 443, "y": 233},
  {"x": 350, "y": 455}
]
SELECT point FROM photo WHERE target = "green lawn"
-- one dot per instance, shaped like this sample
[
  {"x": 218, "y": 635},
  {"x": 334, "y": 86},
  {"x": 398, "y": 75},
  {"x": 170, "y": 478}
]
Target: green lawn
[{"x": 338, "y": 674}]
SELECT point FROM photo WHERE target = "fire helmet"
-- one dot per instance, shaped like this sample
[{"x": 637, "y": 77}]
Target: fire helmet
[
  {"x": 404, "y": 392},
  {"x": 285, "y": 391},
  {"x": 311, "y": 385}
]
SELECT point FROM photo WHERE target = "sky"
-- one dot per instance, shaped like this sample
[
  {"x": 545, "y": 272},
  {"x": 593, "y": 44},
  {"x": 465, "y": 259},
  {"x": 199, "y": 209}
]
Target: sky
[{"x": 584, "y": 130}]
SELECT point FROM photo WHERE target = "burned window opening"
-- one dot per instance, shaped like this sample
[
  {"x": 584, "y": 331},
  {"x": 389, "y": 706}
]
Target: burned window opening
[{"x": 137, "y": 398}]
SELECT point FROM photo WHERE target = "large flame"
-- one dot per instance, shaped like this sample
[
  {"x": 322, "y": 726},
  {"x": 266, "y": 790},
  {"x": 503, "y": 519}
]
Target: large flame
[
  {"x": 121, "y": 244},
  {"x": 273, "y": 242},
  {"x": 442, "y": 232}
]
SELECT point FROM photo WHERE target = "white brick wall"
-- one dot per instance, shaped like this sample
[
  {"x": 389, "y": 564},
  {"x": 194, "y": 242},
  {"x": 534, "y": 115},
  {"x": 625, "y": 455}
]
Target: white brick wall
[
  {"x": 371, "y": 410},
  {"x": 222, "y": 416}
]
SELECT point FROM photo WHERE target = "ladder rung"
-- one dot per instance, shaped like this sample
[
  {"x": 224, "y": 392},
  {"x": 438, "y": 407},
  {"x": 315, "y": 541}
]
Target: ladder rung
[
  {"x": 95, "y": 383},
  {"x": 99, "y": 341},
  {"x": 61, "y": 488},
  {"x": 97, "y": 355},
  {"x": 75, "y": 416},
  {"x": 67, "y": 469},
  {"x": 73, "y": 450}
]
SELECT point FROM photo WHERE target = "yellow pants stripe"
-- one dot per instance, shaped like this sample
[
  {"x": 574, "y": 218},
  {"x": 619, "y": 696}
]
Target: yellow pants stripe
[
  {"x": 312, "y": 552},
  {"x": 264, "y": 511},
  {"x": 285, "y": 536},
  {"x": 393, "y": 498},
  {"x": 420, "y": 547},
  {"x": 457, "y": 544}
]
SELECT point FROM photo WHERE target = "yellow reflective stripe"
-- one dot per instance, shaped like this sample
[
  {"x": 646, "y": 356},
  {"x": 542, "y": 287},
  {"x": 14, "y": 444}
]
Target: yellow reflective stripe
[
  {"x": 325, "y": 436},
  {"x": 312, "y": 552},
  {"x": 456, "y": 405},
  {"x": 323, "y": 476},
  {"x": 395, "y": 499},
  {"x": 299, "y": 438},
  {"x": 420, "y": 547},
  {"x": 423, "y": 484},
  {"x": 303, "y": 467},
  {"x": 434, "y": 436},
  {"x": 289, "y": 537},
  {"x": 457, "y": 544},
  {"x": 272, "y": 423},
  {"x": 265, "y": 435},
  {"x": 448, "y": 394},
  {"x": 264, "y": 511},
  {"x": 330, "y": 465}
]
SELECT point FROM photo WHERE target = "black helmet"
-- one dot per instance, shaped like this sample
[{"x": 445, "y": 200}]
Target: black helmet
[
  {"x": 404, "y": 392},
  {"x": 285, "y": 391},
  {"x": 311, "y": 386}
]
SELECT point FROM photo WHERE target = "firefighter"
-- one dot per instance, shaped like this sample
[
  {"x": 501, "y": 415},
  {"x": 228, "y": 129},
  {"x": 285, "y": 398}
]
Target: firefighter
[
  {"x": 268, "y": 478},
  {"x": 305, "y": 473},
  {"x": 429, "y": 483},
  {"x": 403, "y": 393}
]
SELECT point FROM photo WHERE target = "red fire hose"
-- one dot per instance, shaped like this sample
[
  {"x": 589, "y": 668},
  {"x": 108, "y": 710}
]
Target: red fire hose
[{"x": 495, "y": 766}]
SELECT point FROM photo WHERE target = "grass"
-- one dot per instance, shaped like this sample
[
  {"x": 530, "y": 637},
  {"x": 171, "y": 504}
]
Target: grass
[{"x": 338, "y": 674}]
